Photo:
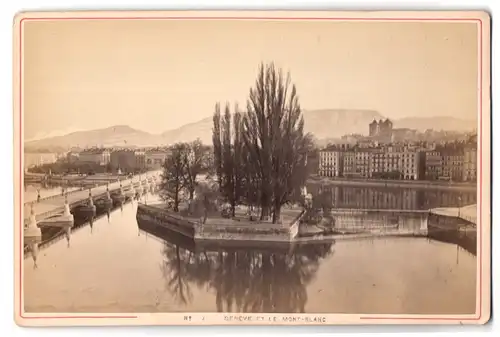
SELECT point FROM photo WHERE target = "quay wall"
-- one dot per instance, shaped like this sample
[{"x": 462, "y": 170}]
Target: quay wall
[
  {"x": 418, "y": 184},
  {"x": 233, "y": 231},
  {"x": 164, "y": 218}
]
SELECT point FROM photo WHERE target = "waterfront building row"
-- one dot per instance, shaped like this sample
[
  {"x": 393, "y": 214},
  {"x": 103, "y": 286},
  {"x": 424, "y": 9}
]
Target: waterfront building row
[
  {"x": 451, "y": 162},
  {"x": 127, "y": 160}
]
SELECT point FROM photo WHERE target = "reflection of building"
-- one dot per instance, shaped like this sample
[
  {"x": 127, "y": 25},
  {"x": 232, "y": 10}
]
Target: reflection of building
[
  {"x": 470, "y": 163},
  {"x": 393, "y": 197},
  {"x": 123, "y": 160},
  {"x": 98, "y": 156},
  {"x": 155, "y": 159}
]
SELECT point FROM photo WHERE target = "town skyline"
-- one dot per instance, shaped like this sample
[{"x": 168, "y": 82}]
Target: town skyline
[{"x": 99, "y": 74}]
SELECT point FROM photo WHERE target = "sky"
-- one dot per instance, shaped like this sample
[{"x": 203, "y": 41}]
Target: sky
[{"x": 157, "y": 75}]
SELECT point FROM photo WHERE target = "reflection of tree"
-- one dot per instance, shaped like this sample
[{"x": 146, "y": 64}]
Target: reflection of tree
[
  {"x": 174, "y": 271},
  {"x": 245, "y": 280}
]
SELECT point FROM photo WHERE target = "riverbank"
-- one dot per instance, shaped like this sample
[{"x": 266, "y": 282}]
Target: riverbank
[{"x": 421, "y": 184}]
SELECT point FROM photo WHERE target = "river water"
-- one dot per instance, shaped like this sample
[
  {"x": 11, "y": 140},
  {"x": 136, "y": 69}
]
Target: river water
[
  {"x": 118, "y": 265},
  {"x": 31, "y": 191}
]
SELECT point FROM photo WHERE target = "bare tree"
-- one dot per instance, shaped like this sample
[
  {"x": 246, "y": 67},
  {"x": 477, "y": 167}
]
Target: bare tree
[
  {"x": 193, "y": 157},
  {"x": 173, "y": 177},
  {"x": 275, "y": 140}
]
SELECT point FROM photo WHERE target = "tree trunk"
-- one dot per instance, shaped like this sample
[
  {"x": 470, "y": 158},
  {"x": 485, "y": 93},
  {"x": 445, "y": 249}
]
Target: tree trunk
[
  {"x": 276, "y": 214},
  {"x": 176, "y": 201},
  {"x": 264, "y": 213},
  {"x": 233, "y": 208}
]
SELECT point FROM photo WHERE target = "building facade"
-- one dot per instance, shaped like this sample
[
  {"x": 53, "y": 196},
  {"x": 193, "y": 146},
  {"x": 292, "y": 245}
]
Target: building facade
[
  {"x": 381, "y": 130},
  {"x": 453, "y": 164},
  {"x": 123, "y": 160},
  {"x": 433, "y": 165},
  {"x": 330, "y": 163},
  {"x": 98, "y": 156},
  {"x": 349, "y": 165},
  {"x": 470, "y": 163},
  {"x": 363, "y": 163},
  {"x": 155, "y": 159},
  {"x": 140, "y": 160},
  {"x": 412, "y": 165},
  {"x": 377, "y": 165}
]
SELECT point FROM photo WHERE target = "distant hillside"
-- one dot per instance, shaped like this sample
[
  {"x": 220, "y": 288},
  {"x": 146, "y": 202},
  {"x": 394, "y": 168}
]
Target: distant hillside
[
  {"x": 323, "y": 124},
  {"x": 189, "y": 132},
  {"x": 334, "y": 123},
  {"x": 119, "y": 135},
  {"x": 437, "y": 123}
]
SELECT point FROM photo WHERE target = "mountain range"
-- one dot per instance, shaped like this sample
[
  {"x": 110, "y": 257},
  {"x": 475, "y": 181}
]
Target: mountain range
[{"x": 323, "y": 124}]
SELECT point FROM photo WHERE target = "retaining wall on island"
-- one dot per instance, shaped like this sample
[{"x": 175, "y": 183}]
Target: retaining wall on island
[{"x": 218, "y": 228}]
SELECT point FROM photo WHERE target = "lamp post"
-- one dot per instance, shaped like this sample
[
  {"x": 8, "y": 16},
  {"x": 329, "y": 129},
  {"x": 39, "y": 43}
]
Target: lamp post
[{"x": 459, "y": 205}]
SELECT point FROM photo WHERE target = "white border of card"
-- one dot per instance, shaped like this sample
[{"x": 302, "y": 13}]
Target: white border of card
[{"x": 483, "y": 308}]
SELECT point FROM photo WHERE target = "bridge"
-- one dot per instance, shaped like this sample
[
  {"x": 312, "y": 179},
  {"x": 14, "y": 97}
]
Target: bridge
[
  {"x": 54, "y": 205},
  {"x": 75, "y": 184}
]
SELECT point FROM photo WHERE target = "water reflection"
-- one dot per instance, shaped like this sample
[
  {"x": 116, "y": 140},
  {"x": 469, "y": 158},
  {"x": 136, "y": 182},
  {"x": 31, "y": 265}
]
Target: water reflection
[
  {"x": 393, "y": 197},
  {"x": 36, "y": 191},
  {"x": 246, "y": 279},
  {"x": 127, "y": 266}
]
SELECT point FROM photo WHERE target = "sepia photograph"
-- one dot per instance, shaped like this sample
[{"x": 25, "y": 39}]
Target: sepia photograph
[{"x": 245, "y": 168}]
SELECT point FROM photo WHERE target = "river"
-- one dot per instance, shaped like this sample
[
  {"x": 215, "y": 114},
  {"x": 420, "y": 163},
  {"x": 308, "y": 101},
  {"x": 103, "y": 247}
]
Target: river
[
  {"x": 118, "y": 266},
  {"x": 393, "y": 197},
  {"x": 31, "y": 191}
]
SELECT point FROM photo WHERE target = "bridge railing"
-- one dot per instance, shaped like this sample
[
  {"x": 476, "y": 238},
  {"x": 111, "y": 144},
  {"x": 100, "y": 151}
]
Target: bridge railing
[
  {"x": 44, "y": 215},
  {"x": 68, "y": 193}
]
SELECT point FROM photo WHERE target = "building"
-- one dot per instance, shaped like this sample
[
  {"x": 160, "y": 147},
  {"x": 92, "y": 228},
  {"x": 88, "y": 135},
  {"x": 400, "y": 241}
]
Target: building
[
  {"x": 377, "y": 165},
  {"x": 140, "y": 160},
  {"x": 349, "y": 164},
  {"x": 433, "y": 165},
  {"x": 155, "y": 159},
  {"x": 330, "y": 162},
  {"x": 453, "y": 164},
  {"x": 99, "y": 156},
  {"x": 363, "y": 162},
  {"x": 412, "y": 165},
  {"x": 397, "y": 162},
  {"x": 403, "y": 135},
  {"x": 470, "y": 163},
  {"x": 380, "y": 128},
  {"x": 123, "y": 160}
]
